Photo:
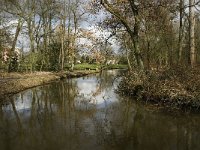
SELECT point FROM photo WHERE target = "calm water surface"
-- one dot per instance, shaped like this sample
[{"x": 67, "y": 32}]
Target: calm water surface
[{"x": 87, "y": 114}]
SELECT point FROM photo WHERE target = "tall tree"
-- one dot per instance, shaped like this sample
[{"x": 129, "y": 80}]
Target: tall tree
[{"x": 132, "y": 29}]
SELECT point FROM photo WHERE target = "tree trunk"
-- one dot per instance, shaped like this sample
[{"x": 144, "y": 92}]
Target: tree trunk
[
  {"x": 127, "y": 57},
  {"x": 69, "y": 32},
  {"x": 191, "y": 37},
  {"x": 62, "y": 46},
  {"x": 13, "y": 62},
  {"x": 31, "y": 36},
  {"x": 63, "y": 33},
  {"x": 74, "y": 37},
  {"x": 148, "y": 55},
  {"x": 18, "y": 29},
  {"x": 31, "y": 25},
  {"x": 135, "y": 34},
  {"x": 180, "y": 43}
]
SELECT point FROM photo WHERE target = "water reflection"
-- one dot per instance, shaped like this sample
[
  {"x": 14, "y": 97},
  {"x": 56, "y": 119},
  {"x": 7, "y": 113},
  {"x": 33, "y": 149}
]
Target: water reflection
[{"x": 86, "y": 113}]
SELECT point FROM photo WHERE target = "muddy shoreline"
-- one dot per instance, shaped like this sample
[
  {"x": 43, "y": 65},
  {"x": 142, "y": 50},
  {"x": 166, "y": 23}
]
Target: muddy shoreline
[{"x": 12, "y": 83}]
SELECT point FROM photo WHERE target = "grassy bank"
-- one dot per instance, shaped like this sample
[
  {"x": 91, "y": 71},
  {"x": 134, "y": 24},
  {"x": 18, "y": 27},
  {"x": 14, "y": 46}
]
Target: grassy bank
[
  {"x": 175, "y": 88},
  {"x": 12, "y": 83}
]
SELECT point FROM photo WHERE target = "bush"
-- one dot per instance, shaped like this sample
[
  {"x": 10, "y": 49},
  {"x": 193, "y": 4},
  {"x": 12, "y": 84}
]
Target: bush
[{"x": 175, "y": 87}]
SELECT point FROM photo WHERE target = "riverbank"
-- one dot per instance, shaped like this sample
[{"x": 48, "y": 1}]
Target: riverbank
[
  {"x": 175, "y": 88},
  {"x": 12, "y": 83}
]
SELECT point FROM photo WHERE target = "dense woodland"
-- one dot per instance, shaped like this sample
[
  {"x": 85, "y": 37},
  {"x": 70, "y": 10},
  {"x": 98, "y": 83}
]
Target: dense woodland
[{"x": 151, "y": 34}]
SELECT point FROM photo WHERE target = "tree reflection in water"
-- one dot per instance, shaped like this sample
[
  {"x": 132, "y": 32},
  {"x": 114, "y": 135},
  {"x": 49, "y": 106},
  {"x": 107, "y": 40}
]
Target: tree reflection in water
[{"x": 86, "y": 113}]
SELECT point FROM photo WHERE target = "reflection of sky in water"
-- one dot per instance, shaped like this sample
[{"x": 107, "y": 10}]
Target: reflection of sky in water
[
  {"x": 21, "y": 102},
  {"x": 86, "y": 85},
  {"x": 91, "y": 90}
]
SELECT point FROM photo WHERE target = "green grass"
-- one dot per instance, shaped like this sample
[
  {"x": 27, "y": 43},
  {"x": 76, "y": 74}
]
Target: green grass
[{"x": 86, "y": 66}]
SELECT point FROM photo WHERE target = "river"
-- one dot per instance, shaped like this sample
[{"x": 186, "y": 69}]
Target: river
[{"x": 87, "y": 114}]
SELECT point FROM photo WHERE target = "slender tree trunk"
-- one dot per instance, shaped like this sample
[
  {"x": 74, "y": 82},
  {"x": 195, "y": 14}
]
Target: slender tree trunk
[
  {"x": 180, "y": 43},
  {"x": 68, "y": 32},
  {"x": 44, "y": 43},
  {"x": 192, "y": 27},
  {"x": 74, "y": 38},
  {"x": 12, "y": 65},
  {"x": 31, "y": 25},
  {"x": 148, "y": 55},
  {"x": 125, "y": 42},
  {"x": 62, "y": 46},
  {"x": 45, "y": 33},
  {"x": 63, "y": 33},
  {"x": 38, "y": 38},
  {"x": 50, "y": 18},
  {"x": 127, "y": 57},
  {"x": 31, "y": 37},
  {"x": 18, "y": 29}
]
